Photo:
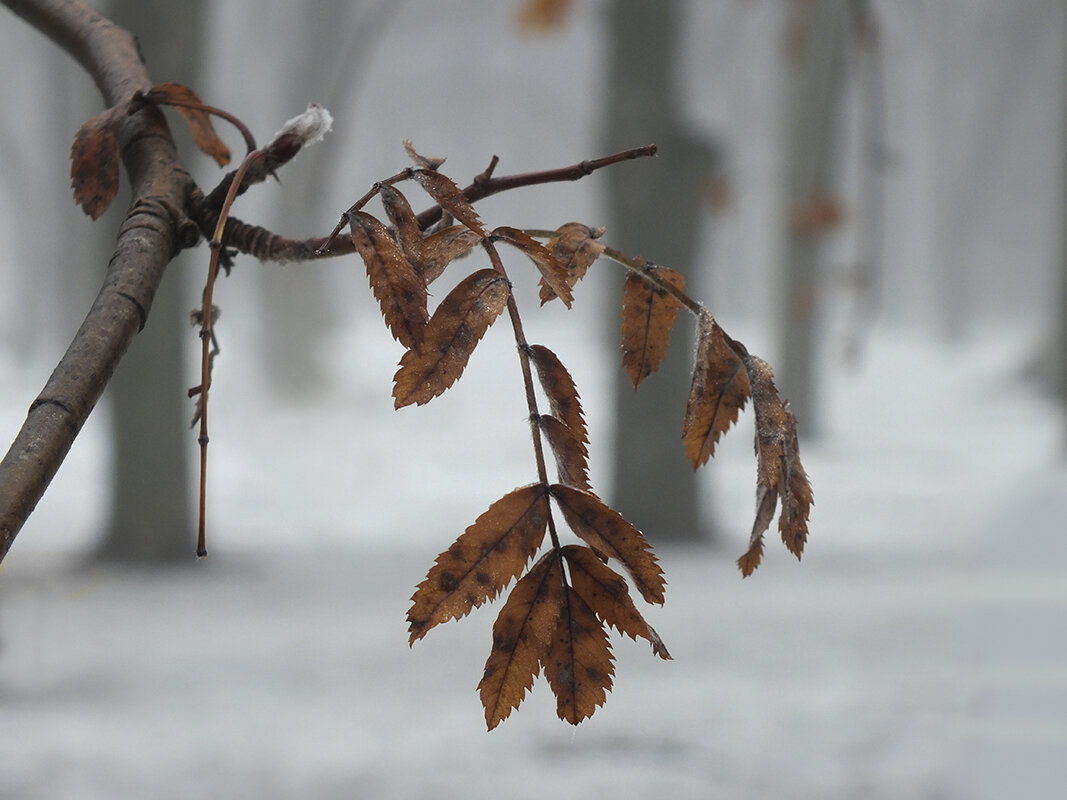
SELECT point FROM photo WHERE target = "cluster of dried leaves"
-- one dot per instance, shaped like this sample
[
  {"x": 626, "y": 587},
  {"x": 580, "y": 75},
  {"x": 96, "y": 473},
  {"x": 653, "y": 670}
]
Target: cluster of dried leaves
[{"x": 556, "y": 615}]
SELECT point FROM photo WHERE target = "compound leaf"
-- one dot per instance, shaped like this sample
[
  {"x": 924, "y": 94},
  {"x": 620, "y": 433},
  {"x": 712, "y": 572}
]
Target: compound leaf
[{"x": 481, "y": 562}]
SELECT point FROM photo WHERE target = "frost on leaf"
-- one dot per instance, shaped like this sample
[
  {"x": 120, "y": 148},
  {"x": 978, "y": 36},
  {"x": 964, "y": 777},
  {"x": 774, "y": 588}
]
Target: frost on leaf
[
  {"x": 719, "y": 391},
  {"x": 607, "y": 594},
  {"x": 398, "y": 290},
  {"x": 191, "y": 107},
  {"x": 607, "y": 532},
  {"x": 648, "y": 315},
  {"x": 559, "y": 388},
  {"x": 579, "y": 665},
  {"x": 522, "y": 635},
  {"x": 94, "y": 161},
  {"x": 576, "y": 246},
  {"x": 454, "y": 330},
  {"x": 481, "y": 562},
  {"x": 780, "y": 477}
]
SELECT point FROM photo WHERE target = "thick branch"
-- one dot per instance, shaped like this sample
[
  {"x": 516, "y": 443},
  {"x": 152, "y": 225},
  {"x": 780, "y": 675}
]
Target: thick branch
[{"x": 153, "y": 231}]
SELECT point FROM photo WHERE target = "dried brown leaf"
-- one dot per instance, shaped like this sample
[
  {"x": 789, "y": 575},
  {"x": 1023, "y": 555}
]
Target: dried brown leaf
[
  {"x": 422, "y": 161},
  {"x": 454, "y": 330},
  {"x": 607, "y": 594},
  {"x": 553, "y": 271},
  {"x": 766, "y": 503},
  {"x": 400, "y": 213},
  {"x": 522, "y": 636},
  {"x": 579, "y": 665},
  {"x": 94, "y": 161},
  {"x": 561, "y": 392},
  {"x": 451, "y": 198},
  {"x": 576, "y": 246},
  {"x": 398, "y": 290},
  {"x": 606, "y": 531},
  {"x": 441, "y": 248},
  {"x": 571, "y": 458},
  {"x": 191, "y": 108},
  {"x": 482, "y": 561},
  {"x": 719, "y": 391},
  {"x": 648, "y": 314}
]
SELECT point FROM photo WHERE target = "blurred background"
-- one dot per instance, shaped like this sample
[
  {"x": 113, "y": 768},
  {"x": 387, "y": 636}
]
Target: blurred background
[{"x": 870, "y": 195}]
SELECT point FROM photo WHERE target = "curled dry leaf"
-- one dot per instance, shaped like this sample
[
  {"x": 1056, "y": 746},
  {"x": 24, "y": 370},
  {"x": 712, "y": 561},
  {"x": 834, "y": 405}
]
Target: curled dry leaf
[
  {"x": 579, "y": 665},
  {"x": 648, "y": 315},
  {"x": 553, "y": 271},
  {"x": 422, "y": 162},
  {"x": 450, "y": 337},
  {"x": 571, "y": 459},
  {"x": 481, "y": 562},
  {"x": 442, "y": 247},
  {"x": 576, "y": 246},
  {"x": 719, "y": 391},
  {"x": 766, "y": 503},
  {"x": 522, "y": 635},
  {"x": 398, "y": 290},
  {"x": 561, "y": 392},
  {"x": 192, "y": 108},
  {"x": 606, "y": 531},
  {"x": 606, "y": 593},
  {"x": 94, "y": 161},
  {"x": 451, "y": 198}
]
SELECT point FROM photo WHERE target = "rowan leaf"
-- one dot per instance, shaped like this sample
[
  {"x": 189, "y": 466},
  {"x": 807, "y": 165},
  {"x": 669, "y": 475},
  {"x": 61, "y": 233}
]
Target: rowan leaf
[
  {"x": 571, "y": 458},
  {"x": 193, "y": 110},
  {"x": 400, "y": 293},
  {"x": 579, "y": 665},
  {"x": 766, "y": 503},
  {"x": 607, "y": 594},
  {"x": 648, "y": 314},
  {"x": 400, "y": 213},
  {"x": 606, "y": 531},
  {"x": 576, "y": 246},
  {"x": 482, "y": 561},
  {"x": 719, "y": 391},
  {"x": 450, "y": 337},
  {"x": 553, "y": 271},
  {"x": 522, "y": 635},
  {"x": 441, "y": 248},
  {"x": 94, "y": 161},
  {"x": 561, "y": 392},
  {"x": 778, "y": 466},
  {"x": 422, "y": 161},
  {"x": 451, "y": 198}
]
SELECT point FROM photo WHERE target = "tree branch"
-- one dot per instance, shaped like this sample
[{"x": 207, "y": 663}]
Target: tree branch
[{"x": 152, "y": 233}]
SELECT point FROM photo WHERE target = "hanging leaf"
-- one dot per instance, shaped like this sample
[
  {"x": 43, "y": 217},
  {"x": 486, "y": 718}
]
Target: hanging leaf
[
  {"x": 778, "y": 459},
  {"x": 94, "y": 161},
  {"x": 606, "y": 531},
  {"x": 648, "y": 314},
  {"x": 561, "y": 392},
  {"x": 441, "y": 248},
  {"x": 481, "y": 562},
  {"x": 766, "y": 503},
  {"x": 553, "y": 271},
  {"x": 522, "y": 635},
  {"x": 450, "y": 197},
  {"x": 450, "y": 337},
  {"x": 400, "y": 213},
  {"x": 576, "y": 246},
  {"x": 719, "y": 391},
  {"x": 571, "y": 458},
  {"x": 579, "y": 665},
  {"x": 398, "y": 290},
  {"x": 606, "y": 593},
  {"x": 192, "y": 108}
]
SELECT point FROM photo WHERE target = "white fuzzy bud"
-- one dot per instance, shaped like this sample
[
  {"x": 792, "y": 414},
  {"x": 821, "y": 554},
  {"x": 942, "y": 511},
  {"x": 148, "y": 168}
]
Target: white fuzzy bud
[{"x": 309, "y": 127}]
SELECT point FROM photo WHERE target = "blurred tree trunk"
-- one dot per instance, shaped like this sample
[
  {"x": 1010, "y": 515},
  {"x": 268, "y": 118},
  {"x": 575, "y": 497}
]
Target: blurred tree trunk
[
  {"x": 817, "y": 32},
  {"x": 654, "y": 210},
  {"x": 150, "y": 501}
]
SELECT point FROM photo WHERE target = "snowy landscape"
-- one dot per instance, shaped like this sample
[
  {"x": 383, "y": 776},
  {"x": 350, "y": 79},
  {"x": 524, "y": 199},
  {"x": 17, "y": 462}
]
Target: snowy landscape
[{"x": 917, "y": 651}]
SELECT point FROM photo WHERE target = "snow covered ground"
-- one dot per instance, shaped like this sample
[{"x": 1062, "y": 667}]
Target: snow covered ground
[{"x": 918, "y": 651}]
